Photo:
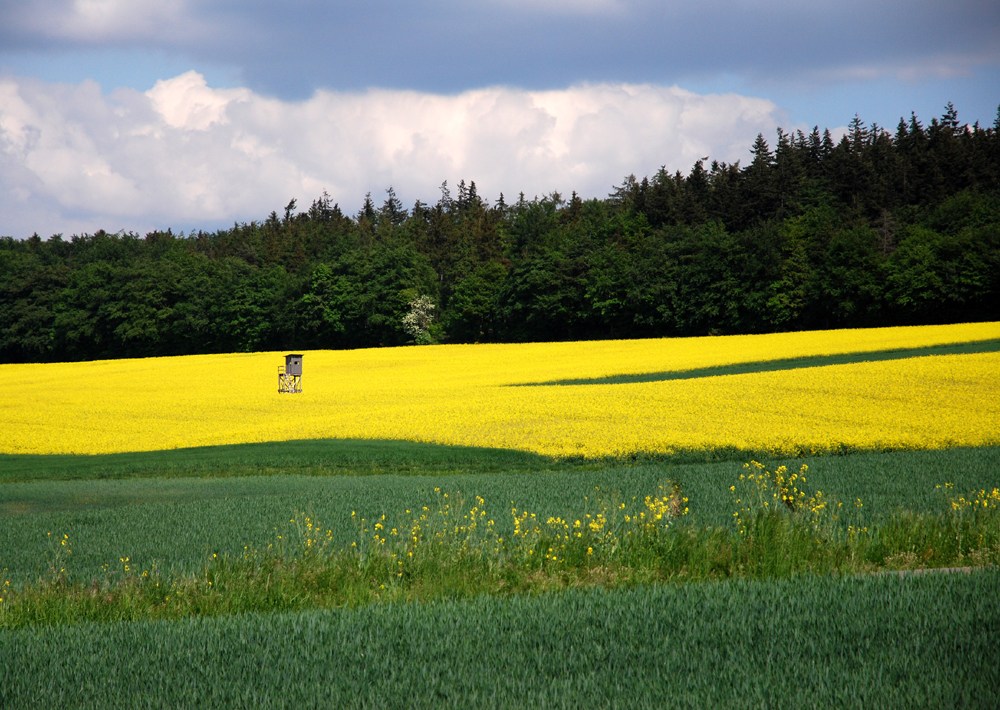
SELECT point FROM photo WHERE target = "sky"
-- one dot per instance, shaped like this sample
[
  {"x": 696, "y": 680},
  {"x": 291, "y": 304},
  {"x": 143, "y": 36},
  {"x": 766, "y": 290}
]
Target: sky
[{"x": 195, "y": 114}]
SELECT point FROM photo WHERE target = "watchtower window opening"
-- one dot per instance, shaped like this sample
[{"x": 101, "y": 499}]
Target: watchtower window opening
[{"x": 293, "y": 364}]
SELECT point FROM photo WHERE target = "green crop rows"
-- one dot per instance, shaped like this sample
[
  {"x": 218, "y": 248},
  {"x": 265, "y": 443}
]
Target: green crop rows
[{"x": 882, "y": 642}]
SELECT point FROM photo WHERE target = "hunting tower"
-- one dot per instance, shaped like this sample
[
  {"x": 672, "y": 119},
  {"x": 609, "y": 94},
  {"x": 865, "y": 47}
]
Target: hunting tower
[{"x": 290, "y": 374}]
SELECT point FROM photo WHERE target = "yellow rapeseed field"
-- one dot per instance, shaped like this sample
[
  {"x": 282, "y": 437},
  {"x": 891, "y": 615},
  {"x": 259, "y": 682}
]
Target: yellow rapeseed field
[{"x": 460, "y": 394}]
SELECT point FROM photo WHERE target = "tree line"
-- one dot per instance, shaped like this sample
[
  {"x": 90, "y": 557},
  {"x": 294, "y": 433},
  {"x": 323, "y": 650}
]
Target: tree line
[{"x": 879, "y": 228}]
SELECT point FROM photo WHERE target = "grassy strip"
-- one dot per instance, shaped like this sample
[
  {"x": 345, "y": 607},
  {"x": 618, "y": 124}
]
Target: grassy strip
[
  {"x": 308, "y": 457},
  {"x": 352, "y": 457},
  {"x": 981, "y": 346},
  {"x": 457, "y": 551},
  {"x": 177, "y": 523}
]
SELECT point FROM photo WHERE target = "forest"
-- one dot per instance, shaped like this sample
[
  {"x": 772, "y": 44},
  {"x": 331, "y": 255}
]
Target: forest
[{"x": 879, "y": 228}]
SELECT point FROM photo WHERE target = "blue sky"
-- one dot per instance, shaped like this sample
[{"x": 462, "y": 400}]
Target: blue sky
[{"x": 187, "y": 113}]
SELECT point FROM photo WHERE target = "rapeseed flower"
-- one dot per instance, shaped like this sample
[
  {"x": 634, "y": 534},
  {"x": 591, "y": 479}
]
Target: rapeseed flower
[{"x": 463, "y": 394}]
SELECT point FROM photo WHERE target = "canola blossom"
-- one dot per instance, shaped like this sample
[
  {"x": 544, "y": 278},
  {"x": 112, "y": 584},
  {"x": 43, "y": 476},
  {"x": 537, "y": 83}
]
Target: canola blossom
[{"x": 462, "y": 394}]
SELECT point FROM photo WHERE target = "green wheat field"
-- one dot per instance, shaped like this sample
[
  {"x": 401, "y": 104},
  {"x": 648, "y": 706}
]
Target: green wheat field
[{"x": 176, "y": 579}]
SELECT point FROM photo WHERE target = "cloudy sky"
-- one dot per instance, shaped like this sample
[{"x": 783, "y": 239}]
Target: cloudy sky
[{"x": 132, "y": 114}]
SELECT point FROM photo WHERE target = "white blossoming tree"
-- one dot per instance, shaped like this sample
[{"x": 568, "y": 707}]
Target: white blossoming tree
[{"x": 417, "y": 322}]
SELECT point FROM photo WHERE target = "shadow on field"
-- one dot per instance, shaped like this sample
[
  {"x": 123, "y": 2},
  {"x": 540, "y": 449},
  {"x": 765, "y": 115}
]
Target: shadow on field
[
  {"x": 981, "y": 346},
  {"x": 321, "y": 456}
]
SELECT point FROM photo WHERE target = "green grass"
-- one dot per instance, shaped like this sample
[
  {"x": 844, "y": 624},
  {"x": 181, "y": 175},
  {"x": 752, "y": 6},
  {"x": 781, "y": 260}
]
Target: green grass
[
  {"x": 981, "y": 346},
  {"x": 308, "y": 457},
  {"x": 177, "y": 523},
  {"x": 875, "y": 642},
  {"x": 453, "y": 552}
]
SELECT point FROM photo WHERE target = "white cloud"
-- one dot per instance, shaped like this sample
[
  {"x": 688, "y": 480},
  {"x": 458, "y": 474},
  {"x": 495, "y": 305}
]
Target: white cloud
[
  {"x": 184, "y": 154},
  {"x": 187, "y": 102}
]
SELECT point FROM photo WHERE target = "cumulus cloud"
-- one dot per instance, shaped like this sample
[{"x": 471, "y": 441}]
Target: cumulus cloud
[
  {"x": 186, "y": 154},
  {"x": 187, "y": 102}
]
